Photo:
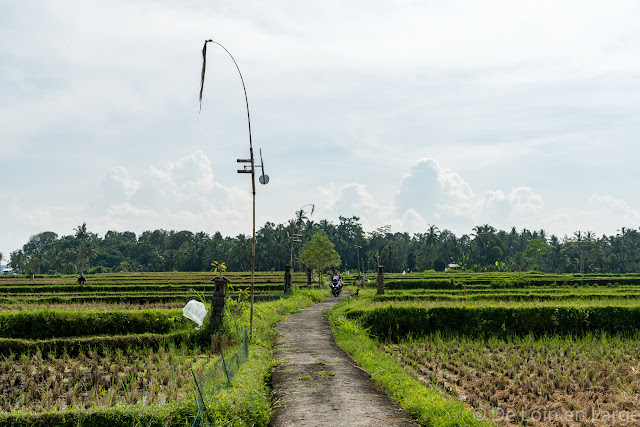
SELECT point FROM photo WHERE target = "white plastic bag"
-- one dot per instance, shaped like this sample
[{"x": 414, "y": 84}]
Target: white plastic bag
[{"x": 195, "y": 310}]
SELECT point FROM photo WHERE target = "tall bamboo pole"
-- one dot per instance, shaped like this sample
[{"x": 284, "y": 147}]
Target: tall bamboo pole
[{"x": 251, "y": 160}]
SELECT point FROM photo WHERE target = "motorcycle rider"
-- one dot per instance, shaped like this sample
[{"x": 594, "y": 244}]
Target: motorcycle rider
[{"x": 337, "y": 276}]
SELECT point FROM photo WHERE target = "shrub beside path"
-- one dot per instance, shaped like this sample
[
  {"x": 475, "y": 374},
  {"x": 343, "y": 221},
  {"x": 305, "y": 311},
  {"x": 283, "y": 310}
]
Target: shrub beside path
[{"x": 319, "y": 385}]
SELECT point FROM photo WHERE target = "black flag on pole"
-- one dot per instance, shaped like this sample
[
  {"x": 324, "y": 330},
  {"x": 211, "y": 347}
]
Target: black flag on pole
[{"x": 204, "y": 66}]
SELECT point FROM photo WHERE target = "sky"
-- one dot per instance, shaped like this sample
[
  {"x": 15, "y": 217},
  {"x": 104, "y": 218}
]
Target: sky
[{"x": 451, "y": 113}]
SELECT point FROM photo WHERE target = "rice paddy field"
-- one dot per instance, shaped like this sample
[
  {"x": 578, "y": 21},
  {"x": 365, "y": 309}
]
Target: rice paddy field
[
  {"x": 515, "y": 349},
  {"x": 118, "y": 348},
  {"x": 509, "y": 348},
  {"x": 160, "y": 290},
  {"x": 100, "y": 377}
]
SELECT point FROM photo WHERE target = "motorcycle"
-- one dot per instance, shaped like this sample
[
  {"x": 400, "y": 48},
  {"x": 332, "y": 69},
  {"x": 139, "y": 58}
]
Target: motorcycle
[{"x": 336, "y": 286}]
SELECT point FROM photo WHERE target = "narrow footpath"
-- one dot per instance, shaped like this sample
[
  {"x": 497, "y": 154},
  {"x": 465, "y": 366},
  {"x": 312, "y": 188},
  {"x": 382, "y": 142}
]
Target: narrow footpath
[{"x": 319, "y": 385}]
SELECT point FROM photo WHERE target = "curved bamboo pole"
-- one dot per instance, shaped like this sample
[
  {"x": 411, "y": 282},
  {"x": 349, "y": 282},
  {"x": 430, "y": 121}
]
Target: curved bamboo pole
[{"x": 251, "y": 160}]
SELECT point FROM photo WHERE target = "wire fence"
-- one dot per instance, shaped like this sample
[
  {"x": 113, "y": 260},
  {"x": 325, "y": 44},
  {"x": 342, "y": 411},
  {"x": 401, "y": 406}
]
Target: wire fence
[{"x": 210, "y": 383}]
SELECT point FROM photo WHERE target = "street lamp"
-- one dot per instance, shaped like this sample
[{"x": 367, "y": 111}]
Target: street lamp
[{"x": 251, "y": 168}]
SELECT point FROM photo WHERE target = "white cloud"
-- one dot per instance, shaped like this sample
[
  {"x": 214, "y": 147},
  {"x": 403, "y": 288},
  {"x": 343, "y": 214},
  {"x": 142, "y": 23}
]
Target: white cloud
[
  {"x": 180, "y": 194},
  {"x": 500, "y": 209},
  {"x": 129, "y": 185},
  {"x": 183, "y": 192},
  {"x": 431, "y": 194},
  {"x": 187, "y": 177},
  {"x": 412, "y": 222},
  {"x": 128, "y": 216},
  {"x": 614, "y": 212},
  {"x": 354, "y": 199},
  {"x": 442, "y": 197},
  {"x": 611, "y": 205}
]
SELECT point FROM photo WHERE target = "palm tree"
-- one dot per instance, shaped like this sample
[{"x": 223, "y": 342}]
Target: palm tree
[
  {"x": 300, "y": 218},
  {"x": 432, "y": 235},
  {"x": 582, "y": 245},
  {"x": 487, "y": 245},
  {"x": 87, "y": 253},
  {"x": 556, "y": 254},
  {"x": 327, "y": 226},
  {"x": 81, "y": 231}
]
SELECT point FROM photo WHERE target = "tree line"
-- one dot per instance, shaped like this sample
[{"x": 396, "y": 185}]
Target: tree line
[{"x": 484, "y": 249}]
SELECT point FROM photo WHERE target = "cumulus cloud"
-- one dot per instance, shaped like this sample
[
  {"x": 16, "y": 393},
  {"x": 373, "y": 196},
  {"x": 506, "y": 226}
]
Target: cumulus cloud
[
  {"x": 182, "y": 193},
  {"x": 355, "y": 199},
  {"x": 189, "y": 176},
  {"x": 185, "y": 184},
  {"x": 519, "y": 205},
  {"x": 128, "y": 216},
  {"x": 604, "y": 214},
  {"x": 612, "y": 207},
  {"x": 412, "y": 222},
  {"x": 121, "y": 176},
  {"x": 431, "y": 194}
]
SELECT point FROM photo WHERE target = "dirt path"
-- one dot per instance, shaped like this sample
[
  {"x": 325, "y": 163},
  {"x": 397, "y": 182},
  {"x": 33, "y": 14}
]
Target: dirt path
[{"x": 319, "y": 385}]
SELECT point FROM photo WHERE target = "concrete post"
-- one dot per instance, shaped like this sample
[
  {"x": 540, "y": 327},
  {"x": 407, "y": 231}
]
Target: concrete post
[
  {"x": 380, "y": 281},
  {"x": 287, "y": 279},
  {"x": 218, "y": 301}
]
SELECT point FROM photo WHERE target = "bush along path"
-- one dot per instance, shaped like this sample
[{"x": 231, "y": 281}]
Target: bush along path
[{"x": 317, "y": 384}]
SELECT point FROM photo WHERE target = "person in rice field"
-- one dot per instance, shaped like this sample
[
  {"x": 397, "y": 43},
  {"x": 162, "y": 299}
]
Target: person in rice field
[{"x": 81, "y": 281}]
